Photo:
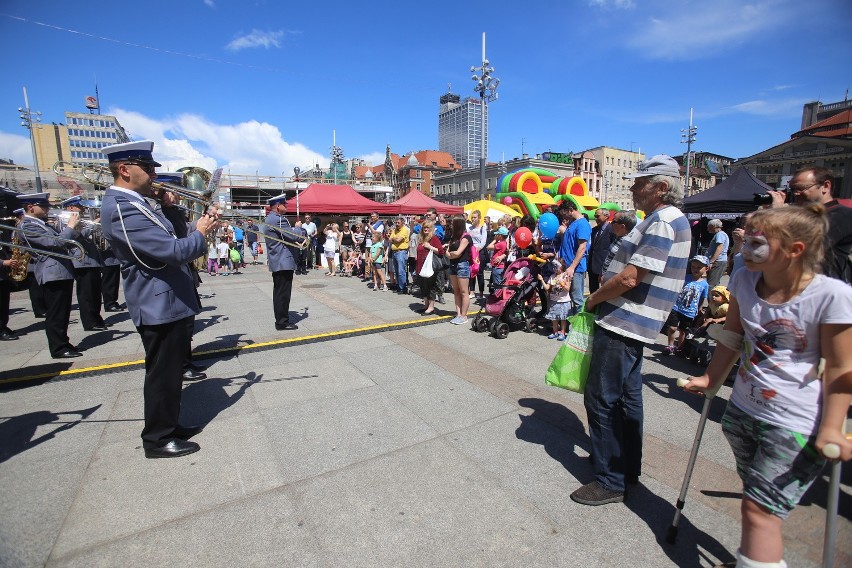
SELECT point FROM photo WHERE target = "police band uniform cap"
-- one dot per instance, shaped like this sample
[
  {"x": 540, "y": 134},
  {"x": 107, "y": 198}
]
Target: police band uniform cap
[
  {"x": 18, "y": 212},
  {"x": 35, "y": 198},
  {"x": 140, "y": 151},
  {"x": 660, "y": 164},
  {"x": 277, "y": 199},
  {"x": 75, "y": 200}
]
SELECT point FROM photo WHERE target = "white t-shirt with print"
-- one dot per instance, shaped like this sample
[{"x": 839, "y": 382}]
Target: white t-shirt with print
[{"x": 777, "y": 380}]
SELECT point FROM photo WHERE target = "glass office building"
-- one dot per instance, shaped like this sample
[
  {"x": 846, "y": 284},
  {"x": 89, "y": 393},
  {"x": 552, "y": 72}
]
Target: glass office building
[{"x": 462, "y": 129}]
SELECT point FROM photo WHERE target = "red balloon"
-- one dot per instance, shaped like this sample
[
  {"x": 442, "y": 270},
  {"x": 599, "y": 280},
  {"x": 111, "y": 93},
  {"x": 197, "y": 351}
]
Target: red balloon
[
  {"x": 523, "y": 237},
  {"x": 507, "y": 201}
]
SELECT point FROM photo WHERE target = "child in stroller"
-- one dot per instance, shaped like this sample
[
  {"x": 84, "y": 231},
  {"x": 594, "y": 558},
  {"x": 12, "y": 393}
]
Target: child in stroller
[
  {"x": 518, "y": 302},
  {"x": 699, "y": 344}
]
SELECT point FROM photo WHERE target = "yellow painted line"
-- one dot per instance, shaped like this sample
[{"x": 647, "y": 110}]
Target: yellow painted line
[{"x": 237, "y": 348}]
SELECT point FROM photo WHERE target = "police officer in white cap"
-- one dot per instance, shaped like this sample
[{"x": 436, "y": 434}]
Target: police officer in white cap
[
  {"x": 55, "y": 275},
  {"x": 87, "y": 272},
  {"x": 282, "y": 263},
  {"x": 158, "y": 288}
]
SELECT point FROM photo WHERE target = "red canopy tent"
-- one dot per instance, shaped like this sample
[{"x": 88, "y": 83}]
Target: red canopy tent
[
  {"x": 415, "y": 203},
  {"x": 327, "y": 198}
]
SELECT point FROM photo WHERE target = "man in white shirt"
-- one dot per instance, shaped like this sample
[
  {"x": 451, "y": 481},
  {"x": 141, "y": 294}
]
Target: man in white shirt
[{"x": 311, "y": 229}]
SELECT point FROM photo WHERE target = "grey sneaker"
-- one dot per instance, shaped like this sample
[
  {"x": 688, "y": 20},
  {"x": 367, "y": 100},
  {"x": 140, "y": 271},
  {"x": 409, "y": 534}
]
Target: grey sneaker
[
  {"x": 455, "y": 320},
  {"x": 596, "y": 494}
]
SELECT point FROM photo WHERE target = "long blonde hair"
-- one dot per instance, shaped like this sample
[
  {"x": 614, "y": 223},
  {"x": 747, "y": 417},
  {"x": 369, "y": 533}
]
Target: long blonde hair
[{"x": 807, "y": 224}]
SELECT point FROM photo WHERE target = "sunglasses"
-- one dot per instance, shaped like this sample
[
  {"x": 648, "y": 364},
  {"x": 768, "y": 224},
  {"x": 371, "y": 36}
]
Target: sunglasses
[{"x": 146, "y": 167}]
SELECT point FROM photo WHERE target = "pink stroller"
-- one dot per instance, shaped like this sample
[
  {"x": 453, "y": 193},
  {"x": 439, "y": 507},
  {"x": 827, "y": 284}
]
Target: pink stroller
[{"x": 518, "y": 302}]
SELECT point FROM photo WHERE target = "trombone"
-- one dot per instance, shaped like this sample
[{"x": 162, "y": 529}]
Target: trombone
[
  {"x": 101, "y": 176},
  {"x": 289, "y": 237},
  {"x": 78, "y": 256}
]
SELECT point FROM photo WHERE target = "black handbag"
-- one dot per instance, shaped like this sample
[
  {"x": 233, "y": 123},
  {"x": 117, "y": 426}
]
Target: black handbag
[{"x": 439, "y": 262}]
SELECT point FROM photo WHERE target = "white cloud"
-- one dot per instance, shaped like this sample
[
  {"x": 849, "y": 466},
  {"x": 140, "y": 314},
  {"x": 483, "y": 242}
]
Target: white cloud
[
  {"x": 256, "y": 38},
  {"x": 16, "y": 148},
  {"x": 694, "y": 30},
  {"x": 210, "y": 3},
  {"x": 613, "y": 4},
  {"x": 245, "y": 148},
  {"x": 783, "y": 107},
  {"x": 373, "y": 158}
]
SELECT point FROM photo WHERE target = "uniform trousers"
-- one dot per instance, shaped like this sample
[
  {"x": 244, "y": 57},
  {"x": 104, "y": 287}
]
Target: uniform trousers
[
  {"x": 282, "y": 287},
  {"x": 165, "y": 351},
  {"x": 36, "y": 295},
  {"x": 5, "y": 295},
  {"x": 110, "y": 276},
  {"x": 57, "y": 299},
  {"x": 89, "y": 296}
]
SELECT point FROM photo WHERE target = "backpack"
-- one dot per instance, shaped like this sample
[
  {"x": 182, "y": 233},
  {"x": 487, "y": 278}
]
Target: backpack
[
  {"x": 235, "y": 255},
  {"x": 474, "y": 258}
]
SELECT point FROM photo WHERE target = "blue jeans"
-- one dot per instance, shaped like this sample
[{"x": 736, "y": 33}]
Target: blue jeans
[
  {"x": 577, "y": 287},
  {"x": 613, "y": 401},
  {"x": 400, "y": 264}
]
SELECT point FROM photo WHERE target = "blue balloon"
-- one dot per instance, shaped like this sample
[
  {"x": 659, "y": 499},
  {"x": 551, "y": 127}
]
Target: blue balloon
[
  {"x": 548, "y": 225},
  {"x": 417, "y": 228}
]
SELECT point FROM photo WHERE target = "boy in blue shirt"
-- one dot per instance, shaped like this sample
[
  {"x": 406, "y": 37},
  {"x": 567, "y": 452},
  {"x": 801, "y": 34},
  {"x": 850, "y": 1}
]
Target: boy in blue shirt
[{"x": 689, "y": 302}]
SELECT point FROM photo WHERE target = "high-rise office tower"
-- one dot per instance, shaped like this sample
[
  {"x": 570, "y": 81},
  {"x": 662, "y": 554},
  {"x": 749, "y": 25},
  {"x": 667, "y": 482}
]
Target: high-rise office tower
[{"x": 462, "y": 129}]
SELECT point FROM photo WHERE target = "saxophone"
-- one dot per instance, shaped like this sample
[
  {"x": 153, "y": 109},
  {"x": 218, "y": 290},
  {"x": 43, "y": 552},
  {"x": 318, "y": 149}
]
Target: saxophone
[{"x": 19, "y": 273}]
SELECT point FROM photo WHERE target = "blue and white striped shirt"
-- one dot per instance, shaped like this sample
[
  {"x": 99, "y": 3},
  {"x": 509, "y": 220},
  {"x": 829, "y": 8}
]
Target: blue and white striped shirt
[{"x": 661, "y": 245}]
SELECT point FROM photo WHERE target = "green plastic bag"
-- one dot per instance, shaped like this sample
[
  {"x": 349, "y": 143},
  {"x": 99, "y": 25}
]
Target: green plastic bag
[{"x": 570, "y": 368}]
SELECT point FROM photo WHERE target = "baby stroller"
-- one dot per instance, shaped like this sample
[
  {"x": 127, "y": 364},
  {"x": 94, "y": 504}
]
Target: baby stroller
[{"x": 518, "y": 302}]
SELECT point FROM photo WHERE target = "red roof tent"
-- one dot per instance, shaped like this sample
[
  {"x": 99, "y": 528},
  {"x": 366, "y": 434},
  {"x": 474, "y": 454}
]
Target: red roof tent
[
  {"x": 327, "y": 198},
  {"x": 415, "y": 203}
]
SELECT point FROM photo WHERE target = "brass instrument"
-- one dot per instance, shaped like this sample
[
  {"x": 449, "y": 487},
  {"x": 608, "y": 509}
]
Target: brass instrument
[
  {"x": 17, "y": 231},
  {"x": 290, "y": 237},
  {"x": 97, "y": 175},
  {"x": 18, "y": 273}
]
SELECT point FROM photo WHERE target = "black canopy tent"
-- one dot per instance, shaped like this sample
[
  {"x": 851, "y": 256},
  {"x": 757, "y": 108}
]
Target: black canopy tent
[{"x": 734, "y": 195}]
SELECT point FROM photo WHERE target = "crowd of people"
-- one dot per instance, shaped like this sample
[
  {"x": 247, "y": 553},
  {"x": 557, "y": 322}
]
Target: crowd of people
[{"x": 786, "y": 308}]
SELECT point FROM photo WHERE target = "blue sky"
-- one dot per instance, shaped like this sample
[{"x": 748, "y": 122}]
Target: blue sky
[{"x": 261, "y": 85}]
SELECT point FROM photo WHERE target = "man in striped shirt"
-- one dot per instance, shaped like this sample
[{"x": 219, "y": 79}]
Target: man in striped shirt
[{"x": 637, "y": 293}]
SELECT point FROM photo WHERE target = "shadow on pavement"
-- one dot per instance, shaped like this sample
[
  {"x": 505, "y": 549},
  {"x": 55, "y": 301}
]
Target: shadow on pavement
[
  {"x": 202, "y": 401},
  {"x": 694, "y": 547},
  {"x": 17, "y": 432}
]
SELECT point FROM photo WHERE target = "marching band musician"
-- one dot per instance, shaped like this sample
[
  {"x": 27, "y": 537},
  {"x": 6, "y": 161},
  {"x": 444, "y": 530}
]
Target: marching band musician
[
  {"x": 282, "y": 264},
  {"x": 158, "y": 288},
  {"x": 177, "y": 217},
  {"x": 87, "y": 272},
  {"x": 30, "y": 284},
  {"x": 8, "y": 203},
  {"x": 55, "y": 275}
]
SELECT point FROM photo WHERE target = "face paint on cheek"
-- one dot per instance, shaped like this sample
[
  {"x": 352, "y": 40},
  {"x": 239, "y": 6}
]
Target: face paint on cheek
[{"x": 756, "y": 248}]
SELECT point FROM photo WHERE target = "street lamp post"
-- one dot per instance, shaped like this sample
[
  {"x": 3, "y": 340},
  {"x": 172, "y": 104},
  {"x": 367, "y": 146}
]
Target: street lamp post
[
  {"x": 296, "y": 171},
  {"x": 687, "y": 137},
  {"x": 30, "y": 120},
  {"x": 486, "y": 86}
]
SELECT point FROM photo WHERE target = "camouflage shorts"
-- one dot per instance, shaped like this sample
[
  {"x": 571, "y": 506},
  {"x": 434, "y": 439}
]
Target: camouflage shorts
[{"x": 776, "y": 465}]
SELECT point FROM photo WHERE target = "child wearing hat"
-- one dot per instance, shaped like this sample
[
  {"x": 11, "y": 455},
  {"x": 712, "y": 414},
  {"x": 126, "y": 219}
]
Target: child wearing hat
[
  {"x": 688, "y": 304},
  {"x": 498, "y": 258}
]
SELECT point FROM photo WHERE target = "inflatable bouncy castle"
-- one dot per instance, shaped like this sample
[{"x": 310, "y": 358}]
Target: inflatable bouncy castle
[{"x": 530, "y": 190}]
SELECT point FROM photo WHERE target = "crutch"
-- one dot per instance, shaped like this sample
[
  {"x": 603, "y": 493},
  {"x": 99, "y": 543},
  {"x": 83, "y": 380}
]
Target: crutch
[
  {"x": 831, "y": 451},
  {"x": 733, "y": 341}
]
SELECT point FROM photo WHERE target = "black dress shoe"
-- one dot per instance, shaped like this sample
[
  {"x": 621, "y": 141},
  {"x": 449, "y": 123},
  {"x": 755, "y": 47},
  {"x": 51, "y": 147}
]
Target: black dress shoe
[
  {"x": 113, "y": 308},
  {"x": 173, "y": 449},
  {"x": 7, "y": 335},
  {"x": 99, "y": 327},
  {"x": 286, "y": 327},
  {"x": 190, "y": 374},
  {"x": 187, "y": 432},
  {"x": 68, "y": 354},
  {"x": 40, "y": 316}
]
